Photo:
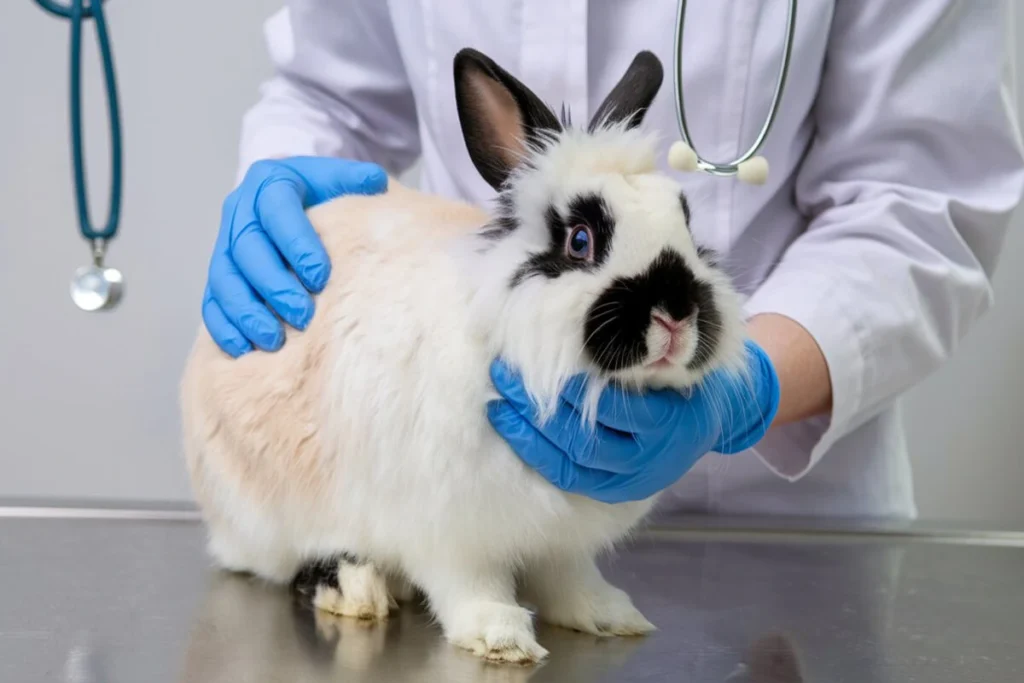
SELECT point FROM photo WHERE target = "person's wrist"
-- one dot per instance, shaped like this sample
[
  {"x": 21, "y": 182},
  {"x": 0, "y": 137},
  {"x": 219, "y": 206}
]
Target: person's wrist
[{"x": 753, "y": 405}]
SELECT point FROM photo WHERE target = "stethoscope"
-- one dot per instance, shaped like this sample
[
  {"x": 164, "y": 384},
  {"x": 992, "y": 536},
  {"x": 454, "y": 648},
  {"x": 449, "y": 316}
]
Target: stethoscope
[
  {"x": 748, "y": 167},
  {"x": 96, "y": 286}
]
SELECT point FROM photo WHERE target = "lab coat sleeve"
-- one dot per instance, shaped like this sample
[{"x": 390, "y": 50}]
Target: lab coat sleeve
[
  {"x": 909, "y": 183},
  {"x": 339, "y": 88}
]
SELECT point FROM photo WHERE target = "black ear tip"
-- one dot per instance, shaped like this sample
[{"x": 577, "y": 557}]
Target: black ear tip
[
  {"x": 468, "y": 61},
  {"x": 468, "y": 56},
  {"x": 463, "y": 58},
  {"x": 648, "y": 57},
  {"x": 647, "y": 60}
]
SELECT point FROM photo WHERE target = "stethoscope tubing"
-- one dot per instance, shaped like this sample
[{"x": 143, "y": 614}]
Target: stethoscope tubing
[
  {"x": 76, "y": 13},
  {"x": 731, "y": 168}
]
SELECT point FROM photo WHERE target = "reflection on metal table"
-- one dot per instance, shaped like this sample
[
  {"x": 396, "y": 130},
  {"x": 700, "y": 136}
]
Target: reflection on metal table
[{"x": 119, "y": 596}]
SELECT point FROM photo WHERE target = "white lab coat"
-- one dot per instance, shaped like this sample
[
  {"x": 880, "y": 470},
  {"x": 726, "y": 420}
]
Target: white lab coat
[{"x": 895, "y": 163}]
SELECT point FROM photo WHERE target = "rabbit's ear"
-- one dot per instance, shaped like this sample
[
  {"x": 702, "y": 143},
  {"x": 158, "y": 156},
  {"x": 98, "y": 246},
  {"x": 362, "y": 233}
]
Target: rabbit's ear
[
  {"x": 499, "y": 115},
  {"x": 632, "y": 95}
]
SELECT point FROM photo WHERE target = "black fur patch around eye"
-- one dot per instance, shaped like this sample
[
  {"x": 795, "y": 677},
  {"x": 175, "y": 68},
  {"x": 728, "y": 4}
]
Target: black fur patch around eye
[
  {"x": 593, "y": 211},
  {"x": 590, "y": 210},
  {"x": 615, "y": 330}
]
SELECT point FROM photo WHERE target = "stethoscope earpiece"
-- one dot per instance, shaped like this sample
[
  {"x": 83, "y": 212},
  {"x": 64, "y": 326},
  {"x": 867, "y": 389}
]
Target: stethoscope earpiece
[
  {"x": 682, "y": 158},
  {"x": 753, "y": 171}
]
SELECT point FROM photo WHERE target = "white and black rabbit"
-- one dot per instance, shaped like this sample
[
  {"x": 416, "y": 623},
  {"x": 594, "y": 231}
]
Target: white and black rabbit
[{"x": 366, "y": 437}]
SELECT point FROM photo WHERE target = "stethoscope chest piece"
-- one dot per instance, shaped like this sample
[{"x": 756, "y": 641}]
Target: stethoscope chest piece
[{"x": 97, "y": 287}]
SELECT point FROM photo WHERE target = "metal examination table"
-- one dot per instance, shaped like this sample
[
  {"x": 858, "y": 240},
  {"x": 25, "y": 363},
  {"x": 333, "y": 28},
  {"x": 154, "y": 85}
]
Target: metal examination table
[{"x": 107, "y": 595}]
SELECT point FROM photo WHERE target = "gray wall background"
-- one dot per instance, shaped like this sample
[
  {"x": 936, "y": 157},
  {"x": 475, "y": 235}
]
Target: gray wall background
[{"x": 88, "y": 403}]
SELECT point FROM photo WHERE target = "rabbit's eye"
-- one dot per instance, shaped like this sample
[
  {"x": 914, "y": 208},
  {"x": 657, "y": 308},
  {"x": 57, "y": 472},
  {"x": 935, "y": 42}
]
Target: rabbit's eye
[{"x": 581, "y": 243}]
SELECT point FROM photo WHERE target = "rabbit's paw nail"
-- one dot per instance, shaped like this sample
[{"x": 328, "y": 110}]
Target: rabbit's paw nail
[
  {"x": 362, "y": 593},
  {"x": 632, "y": 624},
  {"x": 606, "y": 612},
  {"x": 499, "y": 633}
]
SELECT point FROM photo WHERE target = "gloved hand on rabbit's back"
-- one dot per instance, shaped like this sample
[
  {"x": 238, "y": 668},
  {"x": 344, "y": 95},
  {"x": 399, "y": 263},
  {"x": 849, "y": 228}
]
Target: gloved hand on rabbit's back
[
  {"x": 359, "y": 459},
  {"x": 268, "y": 258}
]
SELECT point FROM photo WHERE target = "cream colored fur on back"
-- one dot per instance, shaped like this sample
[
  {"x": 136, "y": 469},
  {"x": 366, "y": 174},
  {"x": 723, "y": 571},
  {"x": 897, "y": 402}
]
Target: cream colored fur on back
[{"x": 255, "y": 424}]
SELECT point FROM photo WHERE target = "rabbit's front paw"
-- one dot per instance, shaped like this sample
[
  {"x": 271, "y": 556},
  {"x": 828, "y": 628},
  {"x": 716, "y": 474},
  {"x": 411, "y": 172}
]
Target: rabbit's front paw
[
  {"x": 603, "y": 611},
  {"x": 496, "y": 631},
  {"x": 571, "y": 592}
]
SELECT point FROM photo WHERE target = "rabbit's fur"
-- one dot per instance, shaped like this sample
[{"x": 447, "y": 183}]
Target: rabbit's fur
[{"x": 366, "y": 436}]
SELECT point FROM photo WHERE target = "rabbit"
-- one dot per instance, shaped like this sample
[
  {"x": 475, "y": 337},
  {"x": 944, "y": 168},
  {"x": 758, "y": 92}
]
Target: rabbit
[{"x": 364, "y": 441}]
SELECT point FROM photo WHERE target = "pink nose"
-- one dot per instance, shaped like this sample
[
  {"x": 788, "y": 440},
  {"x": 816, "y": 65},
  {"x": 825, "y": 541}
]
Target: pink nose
[{"x": 672, "y": 326}]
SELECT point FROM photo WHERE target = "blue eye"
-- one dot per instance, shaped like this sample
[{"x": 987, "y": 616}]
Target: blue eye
[{"x": 580, "y": 243}]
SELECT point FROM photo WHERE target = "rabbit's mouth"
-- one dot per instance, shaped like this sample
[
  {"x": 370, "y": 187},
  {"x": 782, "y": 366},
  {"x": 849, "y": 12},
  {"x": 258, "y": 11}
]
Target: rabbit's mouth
[{"x": 673, "y": 339}]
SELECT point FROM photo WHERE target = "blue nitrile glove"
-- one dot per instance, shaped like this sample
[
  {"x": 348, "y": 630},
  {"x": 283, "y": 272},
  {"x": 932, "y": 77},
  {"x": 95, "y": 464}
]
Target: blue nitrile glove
[
  {"x": 643, "y": 443},
  {"x": 267, "y": 253}
]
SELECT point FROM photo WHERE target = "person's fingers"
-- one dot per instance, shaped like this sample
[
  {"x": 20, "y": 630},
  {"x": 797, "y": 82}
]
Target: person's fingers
[
  {"x": 226, "y": 335},
  {"x": 594, "y": 447},
  {"x": 509, "y": 384},
  {"x": 627, "y": 411},
  {"x": 267, "y": 250},
  {"x": 753, "y": 398},
  {"x": 279, "y": 211},
  {"x": 258, "y": 261},
  {"x": 283, "y": 193},
  {"x": 547, "y": 459},
  {"x": 326, "y": 178},
  {"x": 241, "y": 307}
]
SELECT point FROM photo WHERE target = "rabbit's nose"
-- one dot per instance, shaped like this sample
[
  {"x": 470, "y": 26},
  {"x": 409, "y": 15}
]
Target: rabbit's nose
[{"x": 671, "y": 324}]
